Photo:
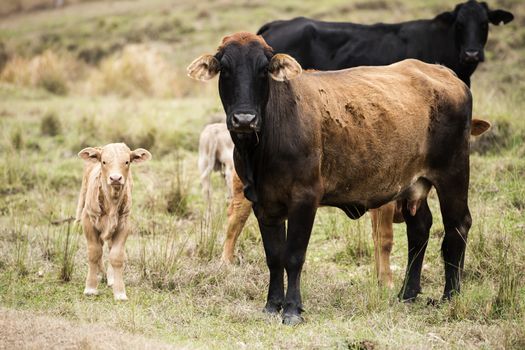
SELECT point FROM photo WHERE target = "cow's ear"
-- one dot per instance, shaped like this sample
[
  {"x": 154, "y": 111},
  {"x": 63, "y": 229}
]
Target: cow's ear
[
  {"x": 140, "y": 155},
  {"x": 204, "y": 68},
  {"x": 284, "y": 67},
  {"x": 91, "y": 154},
  {"x": 500, "y": 16},
  {"x": 447, "y": 17},
  {"x": 479, "y": 127}
]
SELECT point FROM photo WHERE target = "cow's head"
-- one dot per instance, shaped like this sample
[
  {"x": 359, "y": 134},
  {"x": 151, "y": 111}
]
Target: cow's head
[
  {"x": 470, "y": 21},
  {"x": 246, "y": 64},
  {"x": 115, "y": 160}
]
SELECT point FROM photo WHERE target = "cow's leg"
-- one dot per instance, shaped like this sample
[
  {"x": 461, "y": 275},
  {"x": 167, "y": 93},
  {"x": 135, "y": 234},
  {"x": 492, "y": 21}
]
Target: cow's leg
[
  {"x": 383, "y": 234},
  {"x": 205, "y": 169},
  {"x": 300, "y": 221},
  {"x": 418, "y": 228},
  {"x": 273, "y": 237},
  {"x": 94, "y": 254},
  {"x": 238, "y": 212},
  {"x": 117, "y": 259},
  {"x": 453, "y": 200},
  {"x": 110, "y": 273}
]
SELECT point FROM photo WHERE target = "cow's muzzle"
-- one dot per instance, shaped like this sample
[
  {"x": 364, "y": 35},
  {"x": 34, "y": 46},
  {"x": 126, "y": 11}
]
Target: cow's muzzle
[
  {"x": 472, "y": 56},
  {"x": 244, "y": 122}
]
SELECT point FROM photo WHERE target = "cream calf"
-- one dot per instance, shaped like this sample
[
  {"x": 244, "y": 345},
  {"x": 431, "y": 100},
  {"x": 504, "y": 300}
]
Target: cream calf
[
  {"x": 215, "y": 153},
  {"x": 103, "y": 208}
]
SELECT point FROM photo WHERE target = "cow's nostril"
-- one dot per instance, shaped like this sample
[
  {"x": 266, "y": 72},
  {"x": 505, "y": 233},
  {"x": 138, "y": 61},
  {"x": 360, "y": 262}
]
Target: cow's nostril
[
  {"x": 243, "y": 119},
  {"x": 115, "y": 177},
  {"x": 472, "y": 53}
]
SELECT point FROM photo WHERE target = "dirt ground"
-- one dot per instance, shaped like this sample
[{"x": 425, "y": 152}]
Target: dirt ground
[{"x": 25, "y": 330}]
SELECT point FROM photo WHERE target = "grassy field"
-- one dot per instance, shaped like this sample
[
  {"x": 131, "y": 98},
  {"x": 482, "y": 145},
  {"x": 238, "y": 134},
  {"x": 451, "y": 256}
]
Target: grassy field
[{"x": 104, "y": 71}]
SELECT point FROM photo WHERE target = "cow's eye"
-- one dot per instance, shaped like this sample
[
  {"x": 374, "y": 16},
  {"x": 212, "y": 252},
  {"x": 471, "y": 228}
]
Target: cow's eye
[
  {"x": 104, "y": 162},
  {"x": 127, "y": 162}
]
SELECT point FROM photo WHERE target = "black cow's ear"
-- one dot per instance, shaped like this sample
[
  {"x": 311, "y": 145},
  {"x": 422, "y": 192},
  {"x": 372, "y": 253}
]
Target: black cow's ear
[
  {"x": 500, "y": 16},
  {"x": 447, "y": 17},
  {"x": 204, "y": 68}
]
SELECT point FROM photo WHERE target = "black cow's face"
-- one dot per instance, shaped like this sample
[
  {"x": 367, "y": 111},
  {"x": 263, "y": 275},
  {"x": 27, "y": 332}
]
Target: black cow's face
[
  {"x": 245, "y": 69},
  {"x": 243, "y": 85},
  {"x": 470, "y": 21}
]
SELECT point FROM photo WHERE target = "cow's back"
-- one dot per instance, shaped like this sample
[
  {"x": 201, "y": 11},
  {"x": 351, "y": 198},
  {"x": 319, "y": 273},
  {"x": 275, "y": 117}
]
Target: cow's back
[{"x": 378, "y": 120}]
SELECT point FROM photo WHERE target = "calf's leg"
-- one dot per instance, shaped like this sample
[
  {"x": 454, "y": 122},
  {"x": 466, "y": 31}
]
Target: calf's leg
[
  {"x": 273, "y": 237},
  {"x": 300, "y": 222},
  {"x": 94, "y": 254},
  {"x": 383, "y": 235},
  {"x": 117, "y": 259},
  {"x": 418, "y": 228}
]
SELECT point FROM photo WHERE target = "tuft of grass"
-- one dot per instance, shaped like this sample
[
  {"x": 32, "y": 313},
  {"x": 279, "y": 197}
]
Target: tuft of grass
[
  {"x": 67, "y": 254},
  {"x": 177, "y": 197},
  {"x": 136, "y": 70},
  {"x": 50, "y": 124},
  {"x": 47, "y": 70}
]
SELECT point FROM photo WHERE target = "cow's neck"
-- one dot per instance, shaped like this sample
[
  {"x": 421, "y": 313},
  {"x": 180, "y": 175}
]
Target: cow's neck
[
  {"x": 111, "y": 197},
  {"x": 254, "y": 152}
]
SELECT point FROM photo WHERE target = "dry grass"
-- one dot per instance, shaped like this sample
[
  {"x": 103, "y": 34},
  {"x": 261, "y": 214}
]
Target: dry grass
[
  {"x": 49, "y": 71},
  {"x": 25, "y": 330},
  {"x": 138, "y": 70}
]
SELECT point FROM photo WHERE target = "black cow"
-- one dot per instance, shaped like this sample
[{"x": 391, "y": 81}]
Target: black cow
[
  {"x": 455, "y": 39},
  {"x": 353, "y": 139}
]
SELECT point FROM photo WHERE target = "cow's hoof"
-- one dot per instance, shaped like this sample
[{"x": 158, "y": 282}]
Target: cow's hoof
[
  {"x": 110, "y": 282},
  {"x": 90, "y": 292},
  {"x": 120, "y": 297},
  {"x": 292, "y": 319},
  {"x": 271, "y": 309},
  {"x": 408, "y": 295}
]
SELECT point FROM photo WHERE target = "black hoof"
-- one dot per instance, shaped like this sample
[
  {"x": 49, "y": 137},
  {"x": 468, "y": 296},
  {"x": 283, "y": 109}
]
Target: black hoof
[
  {"x": 449, "y": 295},
  {"x": 272, "y": 308},
  {"x": 292, "y": 319},
  {"x": 408, "y": 295}
]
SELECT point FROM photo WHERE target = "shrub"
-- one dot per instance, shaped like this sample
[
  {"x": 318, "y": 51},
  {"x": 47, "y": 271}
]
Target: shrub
[{"x": 50, "y": 125}]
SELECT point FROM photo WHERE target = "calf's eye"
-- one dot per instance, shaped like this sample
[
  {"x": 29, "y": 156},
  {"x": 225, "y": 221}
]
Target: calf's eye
[
  {"x": 127, "y": 162},
  {"x": 103, "y": 162}
]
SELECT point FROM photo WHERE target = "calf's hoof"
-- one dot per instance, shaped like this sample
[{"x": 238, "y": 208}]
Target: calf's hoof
[
  {"x": 292, "y": 319},
  {"x": 120, "y": 297},
  {"x": 90, "y": 292}
]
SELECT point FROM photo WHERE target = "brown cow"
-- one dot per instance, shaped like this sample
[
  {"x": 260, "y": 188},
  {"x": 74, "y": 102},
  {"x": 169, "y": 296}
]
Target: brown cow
[
  {"x": 382, "y": 220},
  {"x": 355, "y": 139},
  {"x": 103, "y": 208}
]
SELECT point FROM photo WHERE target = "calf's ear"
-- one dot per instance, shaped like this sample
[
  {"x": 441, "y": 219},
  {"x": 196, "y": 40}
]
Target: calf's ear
[
  {"x": 500, "y": 16},
  {"x": 140, "y": 155},
  {"x": 284, "y": 67},
  {"x": 91, "y": 154},
  {"x": 479, "y": 127},
  {"x": 204, "y": 68}
]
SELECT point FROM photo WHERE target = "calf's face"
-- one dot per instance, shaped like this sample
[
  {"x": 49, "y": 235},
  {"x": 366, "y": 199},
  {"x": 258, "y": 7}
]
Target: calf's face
[
  {"x": 246, "y": 64},
  {"x": 470, "y": 21},
  {"x": 115, "y": 160}
]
